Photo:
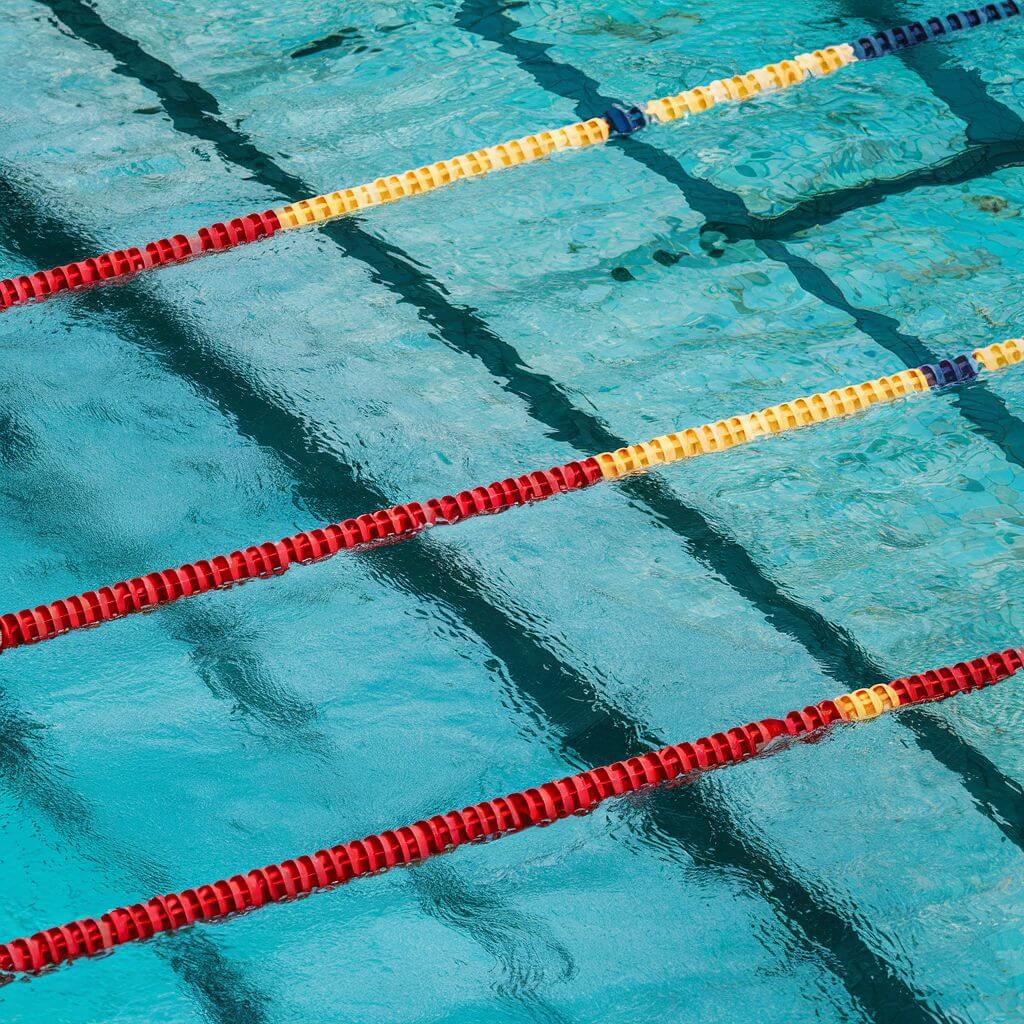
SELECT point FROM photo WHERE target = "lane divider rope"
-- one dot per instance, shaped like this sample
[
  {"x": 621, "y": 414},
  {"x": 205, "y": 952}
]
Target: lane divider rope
[
  {"x": 491, "y": 819},
  {"x": 619, "y": 120},
  {"x": 400, "y": 522}
]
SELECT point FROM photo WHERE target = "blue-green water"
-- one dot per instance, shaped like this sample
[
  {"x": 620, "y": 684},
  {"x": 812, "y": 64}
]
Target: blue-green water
[{"x": 708, "y": 268}]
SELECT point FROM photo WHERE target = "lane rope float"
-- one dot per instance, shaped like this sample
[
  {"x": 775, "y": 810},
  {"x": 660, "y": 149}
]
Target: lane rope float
[
  {"x": 491, "y": 819},
  {"x": 619, "y": 120},
  {"x": 144, "y": 593}
]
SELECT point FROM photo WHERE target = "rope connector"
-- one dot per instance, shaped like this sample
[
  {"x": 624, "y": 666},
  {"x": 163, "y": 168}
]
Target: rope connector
[{"x": 625, "y": 120}]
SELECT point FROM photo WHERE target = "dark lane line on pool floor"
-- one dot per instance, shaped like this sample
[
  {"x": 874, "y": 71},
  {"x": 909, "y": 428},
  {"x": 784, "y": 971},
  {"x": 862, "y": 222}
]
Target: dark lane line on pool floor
[
  {"x": 990, "y": 127},
  {"x": 962, "y": 89},
  {"x": 996, "y": 796},
  {"x": 189, "y": 106},
  {"x": 35, "y": 776},
  {"x": 222, "y": 992},
  {"x": 816, "y": 917},
  {"x": 817, "y": 211},
  {"x": 238, "y": 674},
  {"x": 983, "y": 408},
  {"x": 994, "y": 134},
  {"x": 729, "y": 559},
  {"x": 560, "y": 698},
  {"x": 977, "y": 161}
]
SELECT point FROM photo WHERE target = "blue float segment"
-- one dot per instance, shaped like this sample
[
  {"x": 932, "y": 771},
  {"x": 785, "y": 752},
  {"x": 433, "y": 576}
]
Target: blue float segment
[
  {"x": 625, "y": 120},
  {"x": 949, "y": 371},
  {"x": 881, "y": 43}
]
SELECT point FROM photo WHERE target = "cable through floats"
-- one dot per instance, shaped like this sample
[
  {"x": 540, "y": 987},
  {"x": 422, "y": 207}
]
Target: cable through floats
[
  {"x": 491, "y": 819},
  {"x": 618, "y": 121},
  {"x": 143, "y": 593}
]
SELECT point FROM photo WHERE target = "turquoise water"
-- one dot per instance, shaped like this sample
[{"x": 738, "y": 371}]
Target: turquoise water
[{"x": 708, "y": 268}]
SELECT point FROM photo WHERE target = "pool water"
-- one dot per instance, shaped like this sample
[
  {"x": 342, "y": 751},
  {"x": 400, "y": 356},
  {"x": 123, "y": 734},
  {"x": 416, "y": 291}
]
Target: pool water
[{"x": 823, "y": 235}]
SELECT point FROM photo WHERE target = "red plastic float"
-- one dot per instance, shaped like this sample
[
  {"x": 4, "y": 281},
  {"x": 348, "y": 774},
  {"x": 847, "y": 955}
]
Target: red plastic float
[
  {"x": 490, "y": 819},
  {"x": 124, "y": 262},
  {"x": 140, "y": 593}
]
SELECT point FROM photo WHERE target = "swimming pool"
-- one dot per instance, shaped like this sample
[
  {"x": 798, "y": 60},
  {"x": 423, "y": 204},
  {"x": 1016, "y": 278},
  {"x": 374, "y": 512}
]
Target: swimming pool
[{"x": 524, "y": 319}]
